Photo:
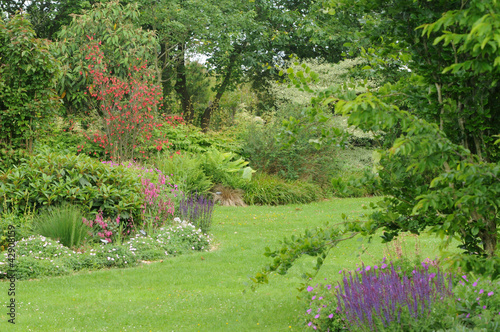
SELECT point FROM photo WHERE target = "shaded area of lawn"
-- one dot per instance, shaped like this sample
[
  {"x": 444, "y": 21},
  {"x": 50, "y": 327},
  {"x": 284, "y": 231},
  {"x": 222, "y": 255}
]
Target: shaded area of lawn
[{"x": 202, "y": 291}]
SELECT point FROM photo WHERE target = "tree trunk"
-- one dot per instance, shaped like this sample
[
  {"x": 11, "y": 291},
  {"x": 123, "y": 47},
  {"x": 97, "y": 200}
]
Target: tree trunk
[
  {"x": 213, "y": 105},
  {"x": 489, "y": 238},
  {"x": 461, "y": 125},
  {"x": 440, "y": 101},
  {"x": 181, "y": 86}
]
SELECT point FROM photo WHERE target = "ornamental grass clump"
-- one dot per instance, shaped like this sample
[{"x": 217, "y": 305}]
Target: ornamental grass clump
[
  {"x": 379, "y": 297},
  {"x": 63, "y": 223},
  {"x": 198, "y": 210}
]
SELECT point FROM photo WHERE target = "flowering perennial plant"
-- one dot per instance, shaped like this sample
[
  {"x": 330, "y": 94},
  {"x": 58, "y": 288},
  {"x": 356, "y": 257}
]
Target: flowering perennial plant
[
  {"x": 198, "y": 210},
  {"x": 477, "y": 302},
  {"x": 374, "y": 293},
  {"x": 127, "y": 106},
  {"x": 159, "y": 194},
  {"x": 174, "y": 240},
  {"x": 38, "y": 255},
  {"x": 322, "y": 313},
  {"x": 107, "y": 229}
]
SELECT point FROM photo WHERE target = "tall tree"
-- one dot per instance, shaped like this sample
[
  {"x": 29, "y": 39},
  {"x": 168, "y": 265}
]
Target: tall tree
[
  {"x": 46, "y": 16},
  {"x": 123, "y": 42}
]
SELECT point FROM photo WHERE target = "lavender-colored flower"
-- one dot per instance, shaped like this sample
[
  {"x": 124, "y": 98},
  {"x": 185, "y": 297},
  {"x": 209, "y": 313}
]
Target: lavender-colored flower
[
  {"x": 310, "y": 289},
  {"x": 366, "y": 297}
]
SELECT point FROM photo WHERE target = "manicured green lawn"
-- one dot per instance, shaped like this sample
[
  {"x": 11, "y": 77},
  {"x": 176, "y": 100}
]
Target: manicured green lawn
[{"x": 199, "y": 292}]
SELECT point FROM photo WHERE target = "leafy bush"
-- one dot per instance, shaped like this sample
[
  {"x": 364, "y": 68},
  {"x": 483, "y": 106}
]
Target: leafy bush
[
  {"x": 224, "y": 168},
  {"x": 50, "y": 179},
  {"x": 266, "y": 189},
  {"x": 11, "y": 157},
  {"x": 187, "y": 138},
  {"x": 185, "y": 170},
  {"x": 198, "y": 210},
  {"x": 267, "y": 149},
  {"x": 63, "y": 223},
  {"x": 28, "y": 75}
]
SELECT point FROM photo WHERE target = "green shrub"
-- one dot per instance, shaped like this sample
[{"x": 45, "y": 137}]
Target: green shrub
[
  {"x": 191, "y": 139},
  {"x": 184, "y": 170},
  {"x": 63, "y": 223},
  {"x": 300, "y": 160},
  {"x": 267, "y": 189},
  {"x": 29, "y": 72},
  {"x": 224, "y": 168},
  {"x": 11, "y": 157},
  {"x": 49, "y": 179}
]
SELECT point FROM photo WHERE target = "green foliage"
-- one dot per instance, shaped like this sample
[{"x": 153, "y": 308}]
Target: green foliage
[
  {"x": 64, "y": 224},
  {"x": 317, "y": 242},
  {"x": 321, "y": 310},
  {"x": 11, "y": 157},
  {"x": 191, "y": 139},
  {"x": 28, "y": 75},
  {"x": 267, "y": 189},
  {"x": 67, "y": 136},
  {"x": 122, "y": 42},
  {"x": 47, "y": 16},
  {"x": 226, "y": 168},
  {"x": 287, "y": 94},
  {"x": 38, "y": 256},
  {"x": 48, "y": 179},
  {"x": 185, "y": 170},
  {"x": 439, "y": 188},
  {"x": 178, "y": 239},
  {"x": 429, "y": 181},
  {"x": 477, "y": 303},
  {"x": 268, "y": 148},
  {"x": 21, "y": 217},
  {"x": 450, "y": 49}
]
